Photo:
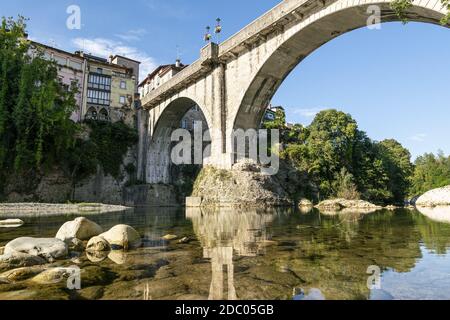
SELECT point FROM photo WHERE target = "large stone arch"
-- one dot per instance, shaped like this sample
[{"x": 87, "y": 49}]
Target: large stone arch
[
  {"x": 163, "y": 121},
  {"x": 299, "y": 39}
]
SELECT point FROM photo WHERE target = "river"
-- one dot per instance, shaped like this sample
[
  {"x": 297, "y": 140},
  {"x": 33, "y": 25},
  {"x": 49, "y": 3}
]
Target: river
[{"x": 251, "y": 254}]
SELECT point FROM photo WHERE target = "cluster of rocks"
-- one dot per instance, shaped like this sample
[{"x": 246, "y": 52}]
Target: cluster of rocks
[{"x": 78, "y": 235}]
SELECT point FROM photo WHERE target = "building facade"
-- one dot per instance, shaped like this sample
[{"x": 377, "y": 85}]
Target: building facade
[
  {"x": 161, "y": 75},
  {"x": 107, "y": 88}
]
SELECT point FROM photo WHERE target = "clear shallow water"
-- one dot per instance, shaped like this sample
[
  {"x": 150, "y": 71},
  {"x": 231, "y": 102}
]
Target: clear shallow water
[{"x": 277, "y": 254}]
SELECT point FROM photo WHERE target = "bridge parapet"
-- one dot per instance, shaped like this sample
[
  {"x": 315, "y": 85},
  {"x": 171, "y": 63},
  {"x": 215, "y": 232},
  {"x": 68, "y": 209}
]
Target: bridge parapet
[{"x": 259, "y": 29}]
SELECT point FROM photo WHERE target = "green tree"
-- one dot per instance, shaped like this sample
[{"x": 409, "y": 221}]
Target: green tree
[{"x": 430, "y": 172}]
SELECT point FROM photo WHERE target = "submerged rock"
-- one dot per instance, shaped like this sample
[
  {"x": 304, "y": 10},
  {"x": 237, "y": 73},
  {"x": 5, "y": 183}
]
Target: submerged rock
[
  {"x": 53, "y": 275},
  {"x": 47, "y": 248},
  {"x": 80, "y": 228},
  {"x": 17, "y": 260},
  {"x": 122, "y": 237},
  {"x": 20, "y": 274},
  {"x": 435, "y": 198}
]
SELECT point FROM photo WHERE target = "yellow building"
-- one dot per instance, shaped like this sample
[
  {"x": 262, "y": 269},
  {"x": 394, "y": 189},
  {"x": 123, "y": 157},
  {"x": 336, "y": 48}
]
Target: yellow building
[{"x": 110, "y": 89}]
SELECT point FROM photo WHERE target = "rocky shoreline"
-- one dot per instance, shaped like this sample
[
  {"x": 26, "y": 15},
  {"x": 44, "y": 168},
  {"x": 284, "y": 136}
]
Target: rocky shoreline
[{"x": 47, "y": 209}]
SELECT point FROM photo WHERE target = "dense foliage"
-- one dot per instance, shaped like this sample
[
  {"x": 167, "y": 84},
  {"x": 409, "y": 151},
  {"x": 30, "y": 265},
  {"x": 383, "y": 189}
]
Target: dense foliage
[
  {"x": 431, "y": 171},
  {"x": 35, "y": 109},
  {"x": 36, "y": 132},
  {"x": 341, "y": 161}
]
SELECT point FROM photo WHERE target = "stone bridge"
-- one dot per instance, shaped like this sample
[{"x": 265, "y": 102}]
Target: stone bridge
[{"x": 234, "y": 82}]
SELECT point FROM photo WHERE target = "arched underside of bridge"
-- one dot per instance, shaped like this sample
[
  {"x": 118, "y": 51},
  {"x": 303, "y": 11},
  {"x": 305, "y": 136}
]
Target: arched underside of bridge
[
  {"x": 301, "y": 39},
  {"x": 159, "y": 147}
]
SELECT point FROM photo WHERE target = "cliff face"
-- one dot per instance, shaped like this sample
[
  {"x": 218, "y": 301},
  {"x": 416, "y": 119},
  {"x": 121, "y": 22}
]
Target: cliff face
[{"x": 245, "y": 186}]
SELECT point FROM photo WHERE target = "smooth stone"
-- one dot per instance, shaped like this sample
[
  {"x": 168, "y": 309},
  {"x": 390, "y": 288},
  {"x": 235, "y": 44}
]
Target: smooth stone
[
  {"x": 18, "y": 260},
  {"x": 20, "y": 274},
  {"x": 53, "y": 275},
  {"x": 305, "y": 203},
  {"x": 122, "y": 237},
  {"x": 170, "y": 237},
  {"x": 97, "y": 244},
  {"x": 48, "y": 248},
  {"x": 11, "y": 223},
  {"x": 80, "y": 228}
]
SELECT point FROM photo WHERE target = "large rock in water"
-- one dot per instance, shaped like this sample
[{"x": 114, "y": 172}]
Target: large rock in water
[
  {"x": 341, "y": 204},
  {"x": 435, "y": 198},
  {"x": 243, "y": 186},
  {"x": 80, "y": 228},
  {"x": 122, "y": 237},
  {"x": 49, "y": 249}
]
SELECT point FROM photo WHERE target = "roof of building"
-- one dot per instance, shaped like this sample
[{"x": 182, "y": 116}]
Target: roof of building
[
  {"x": 163, "y": 69},
  {"x": 122, "y": 57},
  {"x": 56, "y": 49}
]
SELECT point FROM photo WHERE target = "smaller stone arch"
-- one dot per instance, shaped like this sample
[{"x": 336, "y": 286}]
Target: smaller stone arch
[{"x": 158, "y": 164}]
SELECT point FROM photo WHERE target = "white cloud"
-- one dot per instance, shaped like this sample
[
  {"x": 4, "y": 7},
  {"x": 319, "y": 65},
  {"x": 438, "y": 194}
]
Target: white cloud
[
  {"x": 132, "y": 35},
  {"x": 307, "y": 112},
  {"x": 420, "y": 137},
  {"x": 105, "y": 47}
]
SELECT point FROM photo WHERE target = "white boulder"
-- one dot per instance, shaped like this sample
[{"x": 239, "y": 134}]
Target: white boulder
[
  {"x": 122, "y": 237},
  {"x": 435, "y": 198},
  {"x": 11, "y": 223},
  {"x": 97, "y": 244},
  {"x": 19, "y": 260},
  {"x": 80, "y": 228},
  {"x": 48, "y": 249}
]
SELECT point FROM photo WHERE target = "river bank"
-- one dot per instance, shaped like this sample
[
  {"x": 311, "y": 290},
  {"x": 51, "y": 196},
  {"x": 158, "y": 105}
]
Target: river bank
[{"x": 18, "y": 210}]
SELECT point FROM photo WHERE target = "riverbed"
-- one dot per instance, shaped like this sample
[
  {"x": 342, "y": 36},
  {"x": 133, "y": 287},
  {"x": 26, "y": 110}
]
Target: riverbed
[{"x": 254, "y": 254}]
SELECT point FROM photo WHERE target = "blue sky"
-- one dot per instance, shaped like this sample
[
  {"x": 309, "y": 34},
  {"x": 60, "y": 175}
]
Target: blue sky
[{"x": 394, "y": 81}]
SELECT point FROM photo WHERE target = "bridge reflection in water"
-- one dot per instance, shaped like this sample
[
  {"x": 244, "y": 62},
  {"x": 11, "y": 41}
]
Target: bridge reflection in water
[{"x": 225, "y": 232}]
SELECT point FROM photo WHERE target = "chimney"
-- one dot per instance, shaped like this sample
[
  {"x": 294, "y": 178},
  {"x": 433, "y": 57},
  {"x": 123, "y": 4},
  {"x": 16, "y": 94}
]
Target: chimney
[{"x": 178, "y": 63}]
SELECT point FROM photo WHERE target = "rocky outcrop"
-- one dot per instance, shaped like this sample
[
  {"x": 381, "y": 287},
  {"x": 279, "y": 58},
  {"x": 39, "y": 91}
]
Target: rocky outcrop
[
  {"x": 435, "y": 198},
  {"x": 343, "y": 205},
  {"x": 80, "y": 228},
  {"x": 48, "y": 249},
  {"x": 243, "y": 186}
]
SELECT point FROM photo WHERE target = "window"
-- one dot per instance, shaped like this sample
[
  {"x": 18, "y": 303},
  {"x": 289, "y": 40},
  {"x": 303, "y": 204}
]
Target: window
[
  {"x": 101, "y": 82},
  {"x": 123, "y": 84},
  {"x": 122, "y": 100},
  {"x": 99, "y": 70},
  {"x": 184, "y": 124},
  {"x": 98, "y": 97}
]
